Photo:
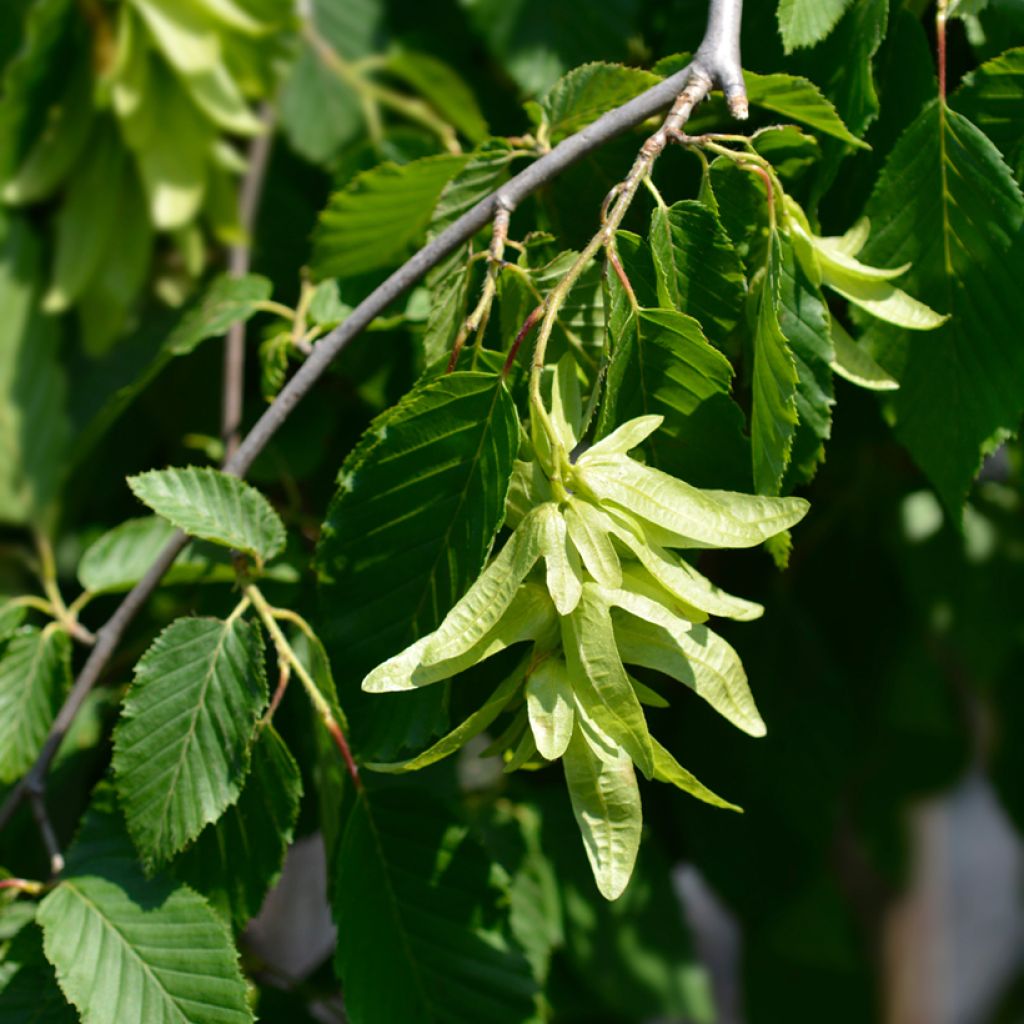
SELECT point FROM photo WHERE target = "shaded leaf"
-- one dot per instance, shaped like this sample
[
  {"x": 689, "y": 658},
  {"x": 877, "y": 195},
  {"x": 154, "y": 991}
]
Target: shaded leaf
[
  {"x": 35, "y": 674},
  {"x": 181, "y": 748},
  {"x": 419, "y": 501},
  {"x": 418, "y": 937},
  {"x": 964, "y": 382},
  {"x": 228, "y": 300},
  {"x": 320, "y": 112},
  {"x": 774, "y": 417},
  {"x": 661, "y": 364},
  {"x": 699, "y": 272},
  {"x": 33, "y": 422},
  {"x": 442, "y": 87},
  {"x": 535, "y": 60},
  {"x": 237, "y": 859},
  {"x": 29, "y": 993},
  {"x": 806, "y": 325},
  {"x": 992, "y": 97}
]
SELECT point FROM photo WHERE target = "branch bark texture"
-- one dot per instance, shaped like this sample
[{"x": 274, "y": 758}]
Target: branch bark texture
[{"x": 716, "y": 63}]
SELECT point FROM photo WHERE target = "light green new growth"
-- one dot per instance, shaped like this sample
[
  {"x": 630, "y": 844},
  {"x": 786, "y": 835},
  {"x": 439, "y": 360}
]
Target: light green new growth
[{"x": 590, "y": 581}]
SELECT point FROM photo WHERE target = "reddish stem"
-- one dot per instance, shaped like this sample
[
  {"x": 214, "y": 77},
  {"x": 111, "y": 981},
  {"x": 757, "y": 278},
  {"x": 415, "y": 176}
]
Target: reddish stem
[
  {"x": 22, "y": 884},
  {"x": 528, "y": 325},
  {"x": 460, "y": 340},
  {"x": 282, "y": 685},
  {"x": 620, "y": 272},
  {"x": 342, "y": 744},
  {"x": 940, "y": 40}
]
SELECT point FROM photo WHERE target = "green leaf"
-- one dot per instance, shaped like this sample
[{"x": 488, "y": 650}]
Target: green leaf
[
  {"x": 653, "y": 636},
  {"x": 636, "y": 954},
  {"x": 320, "y": 112},
  {"x": 774, "y": 416},
  {"x": 806, "y": 22},
  {"x": 418, "y": 939},
  {"x": 798, "y": 99},
  {"x": 11, "y": 617},
  {"x": 55, "y": 152},
  {"x": 564, "y": 575},
  {"x": 683, "y": 582},
  {"x": 606, "y": 803},
  {"x": 181, "y": 748},
  {"x": 599, "y": 682},
  {"x": 947, "y": 203},
  {"x": 674, "y": 514},
  {"x": 699, "y": 272},
  {"x": 442, "y": 87},
  {"x": 130, "y": 948},
  {"x": 35, "y": 674},
  {"x": 663, "y": 365},
  {"x": 549, "y": 704},
  {"x": 170, "y": 139},
  {"x": 116, "y": 561},
  {"x": 668, "y": 769},
  {"x": 474, "y": 629},
  {"x": 213, "y": 506},
  {"x": 992, "y": 97},
  {"x": 237, "y": 859},
  {"x": 587, "y": 92},
  {"x": 588, "y": 531},
  {"x": 806, "y": 325},
  {"x": 29, "y": 993},
  {"x": 33, "y": 422},
  {"x": 35, "y": 80},
  {"x": 449, "y": 282},
  {"x": 374, "y": 221},
  {"x": 228, "y": 300},
  {"x": 535, "y": 59},
  {"x": 462, "y": 734},
  {"x": 355, "y": 28},
  {"x": 418, "y": 504},
  {"x": 854, "y": 364}
]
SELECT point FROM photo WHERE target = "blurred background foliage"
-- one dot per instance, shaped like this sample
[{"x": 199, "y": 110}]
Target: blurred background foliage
[{"x": 888, "y": 665}]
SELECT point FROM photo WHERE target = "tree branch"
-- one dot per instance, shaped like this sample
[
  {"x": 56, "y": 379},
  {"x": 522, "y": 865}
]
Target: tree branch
[
  {"x": 239, "y": 258},
  {"x": 717, "y": 62}
]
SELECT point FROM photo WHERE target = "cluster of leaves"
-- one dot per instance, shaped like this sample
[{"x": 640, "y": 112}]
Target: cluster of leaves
[{"x": 688, "y": 389}]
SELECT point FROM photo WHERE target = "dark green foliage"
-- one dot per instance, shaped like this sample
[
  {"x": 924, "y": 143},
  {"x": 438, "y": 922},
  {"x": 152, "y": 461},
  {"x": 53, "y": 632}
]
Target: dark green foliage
[{"x": 515, "y": 559}]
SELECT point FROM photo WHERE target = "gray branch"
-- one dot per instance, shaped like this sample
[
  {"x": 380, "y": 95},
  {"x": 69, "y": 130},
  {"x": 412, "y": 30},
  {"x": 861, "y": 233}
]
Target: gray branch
[{"x": 717, "y": 62}]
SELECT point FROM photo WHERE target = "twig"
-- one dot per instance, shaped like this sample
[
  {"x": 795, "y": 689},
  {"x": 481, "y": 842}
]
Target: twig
[
  {"x": 239, "y": 259},
  {"x": 477, "y": 320},
  {"x": 37, "y": 801},
  {"x": 717, "y": 60}
]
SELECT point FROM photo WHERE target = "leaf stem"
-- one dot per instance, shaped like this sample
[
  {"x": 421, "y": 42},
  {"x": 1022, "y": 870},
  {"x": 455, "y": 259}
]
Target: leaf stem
[
  {"x": 24, "y": 885},
  {"x": 48, "y": 577},
  {"x": 286, "y": 654},
  {"x": 38, "y": 604},
  {"x": 477, "y": 320}
]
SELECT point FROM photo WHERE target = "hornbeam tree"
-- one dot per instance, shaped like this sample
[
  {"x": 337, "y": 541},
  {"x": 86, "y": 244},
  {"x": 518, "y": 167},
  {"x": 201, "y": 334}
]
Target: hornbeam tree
[{"x": 422, "y": 565}]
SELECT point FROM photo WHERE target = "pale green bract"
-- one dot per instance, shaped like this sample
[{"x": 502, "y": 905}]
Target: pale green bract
[
  {"x": 833, "y": 262},
  {"x": 589, "y": 581}
]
